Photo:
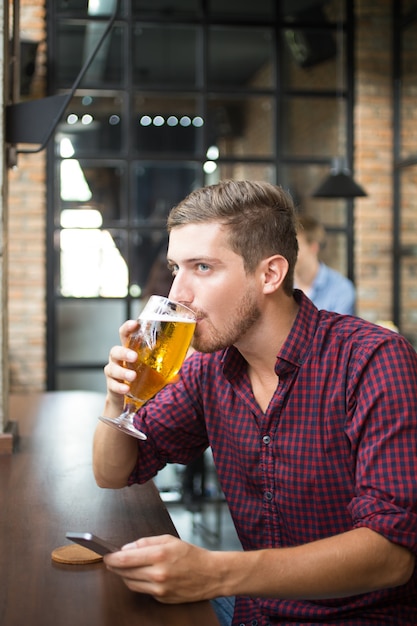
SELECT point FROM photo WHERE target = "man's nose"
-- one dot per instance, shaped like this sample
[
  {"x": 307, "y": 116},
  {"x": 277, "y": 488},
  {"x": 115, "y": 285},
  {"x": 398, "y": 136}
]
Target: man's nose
[{"x": 179, "y": 291}]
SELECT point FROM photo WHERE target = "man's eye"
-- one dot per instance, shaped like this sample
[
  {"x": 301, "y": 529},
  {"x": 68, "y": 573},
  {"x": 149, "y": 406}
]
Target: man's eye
[
  {"x": 203, "y": 267},
  {"x": 173, "y": 269}
]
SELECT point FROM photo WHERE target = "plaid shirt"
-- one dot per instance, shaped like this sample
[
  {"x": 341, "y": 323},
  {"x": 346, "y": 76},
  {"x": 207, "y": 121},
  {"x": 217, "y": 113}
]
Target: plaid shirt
[{"x": 336, "y": 450}]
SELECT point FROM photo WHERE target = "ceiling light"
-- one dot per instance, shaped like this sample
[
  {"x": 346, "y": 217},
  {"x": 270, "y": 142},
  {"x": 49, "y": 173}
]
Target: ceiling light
[{"x": 339, "y": 184}]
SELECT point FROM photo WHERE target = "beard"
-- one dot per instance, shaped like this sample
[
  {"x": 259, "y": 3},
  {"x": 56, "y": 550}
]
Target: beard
[{"x": 246, "y": 313}]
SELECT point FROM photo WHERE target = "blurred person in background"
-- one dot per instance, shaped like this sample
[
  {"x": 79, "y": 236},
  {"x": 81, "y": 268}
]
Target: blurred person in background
[{"x": 326, "y": 287}]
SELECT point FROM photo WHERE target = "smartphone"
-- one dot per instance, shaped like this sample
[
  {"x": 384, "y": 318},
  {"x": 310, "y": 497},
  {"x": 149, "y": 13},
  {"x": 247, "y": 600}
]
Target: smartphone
[{"x": 92, "y": 542}]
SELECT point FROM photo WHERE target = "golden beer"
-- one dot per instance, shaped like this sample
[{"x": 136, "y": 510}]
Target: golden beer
[{"x": 161, "y": 344}]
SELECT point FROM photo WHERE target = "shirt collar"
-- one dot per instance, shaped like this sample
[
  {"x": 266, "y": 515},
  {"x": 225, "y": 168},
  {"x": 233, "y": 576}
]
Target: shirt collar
[
  {"x": 296, "y": 345},
  {"x": 321, "y": 276}
]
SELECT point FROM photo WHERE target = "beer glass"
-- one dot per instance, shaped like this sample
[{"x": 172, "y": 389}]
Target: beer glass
[{"x": 161, "y": 343}]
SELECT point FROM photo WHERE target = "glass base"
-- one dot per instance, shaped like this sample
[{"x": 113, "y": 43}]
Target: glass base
[{"x": 125, "y": 424}]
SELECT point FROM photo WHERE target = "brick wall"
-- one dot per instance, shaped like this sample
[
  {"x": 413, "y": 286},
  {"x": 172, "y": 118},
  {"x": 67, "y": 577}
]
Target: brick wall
[
  {"x": 27, "y": 227},
  {"x": 373, "y": 159},
  {"x": 27, "y": 230},
  {"x": 5, "y": 440}
]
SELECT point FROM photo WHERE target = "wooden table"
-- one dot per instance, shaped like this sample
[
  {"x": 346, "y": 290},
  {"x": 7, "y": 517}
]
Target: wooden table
[{"x": 46, "y": 489}]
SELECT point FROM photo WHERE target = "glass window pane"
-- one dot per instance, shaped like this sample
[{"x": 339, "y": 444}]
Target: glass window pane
[
  {"x": 242, "y": 171},
  {"x": 310, "y": 127},
  {"x": 165, "y": 9},
  {"x": 241, "y": 126},
  {"x": 408, "y": 321},
  {"x": 170, "y": 125},
  {"x": 310, "y": 60},
  {"x": 333, "y": 10},
  {"x": 92, "y": 125},
  {"x": 334, "y": 252},
  {"x": 409, "y": 92},
  {"x": 90, "y": 185},
  {"x": 261, "y": 9},
  {"x": 313, "y": 12},
  {"x": 85, "y": 8},
  {"x": 74, "y": 46},
  {"x": 240, "y": 57},
  {"x": 85, "y": 380},
  {"x": 408, "y": 6},
  {"x": 164, "y": 55},
  {"x": 93, "y": 261},
  {"x": 87, "y": 329},
  {"x": 149, "y": 273},
  {"x": 157, "y": 187},
  {"x": 301, "y": 181}
]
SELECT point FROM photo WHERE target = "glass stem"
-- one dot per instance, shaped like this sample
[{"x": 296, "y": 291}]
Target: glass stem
[{"x": 129, "y": 407}]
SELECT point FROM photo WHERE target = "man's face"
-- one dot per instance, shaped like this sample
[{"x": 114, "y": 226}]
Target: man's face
[{"x": 210, "y": 278}]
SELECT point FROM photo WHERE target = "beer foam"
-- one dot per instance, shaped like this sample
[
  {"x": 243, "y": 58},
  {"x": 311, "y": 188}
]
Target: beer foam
[{"x": 162, "y": 317}]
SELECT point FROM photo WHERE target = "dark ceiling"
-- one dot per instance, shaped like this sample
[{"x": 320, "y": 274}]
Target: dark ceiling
[{"x": 165, "y": 53}]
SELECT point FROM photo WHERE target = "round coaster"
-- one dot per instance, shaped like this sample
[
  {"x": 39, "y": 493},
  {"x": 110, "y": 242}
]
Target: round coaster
[{"x": 75, "y": 555}]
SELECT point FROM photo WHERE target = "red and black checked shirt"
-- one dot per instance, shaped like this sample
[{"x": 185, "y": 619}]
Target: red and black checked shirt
[{"x": 336, "y": 450}]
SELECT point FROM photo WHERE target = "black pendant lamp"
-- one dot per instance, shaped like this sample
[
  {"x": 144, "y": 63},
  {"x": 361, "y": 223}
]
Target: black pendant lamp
[{"x": 339, "y": 184}]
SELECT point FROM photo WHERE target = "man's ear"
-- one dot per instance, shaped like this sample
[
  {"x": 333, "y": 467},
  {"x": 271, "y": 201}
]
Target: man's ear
[{"x": 275, "y": 269}]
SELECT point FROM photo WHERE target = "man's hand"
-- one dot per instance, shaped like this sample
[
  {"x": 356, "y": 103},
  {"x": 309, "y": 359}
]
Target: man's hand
[
  {"x": 118, "y": 376},
  {"x": 169, "y": 569},
  {"x": 355, "y": 562},
  {"x": 114, "y": 452}
]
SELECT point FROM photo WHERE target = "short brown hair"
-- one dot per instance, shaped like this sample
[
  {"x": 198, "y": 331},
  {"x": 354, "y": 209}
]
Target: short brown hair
[
  {"x": 312, "y": 230},
  {"x": 261, "y": 217}
]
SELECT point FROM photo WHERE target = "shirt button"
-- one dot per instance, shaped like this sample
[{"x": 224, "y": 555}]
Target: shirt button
[
  {"x": 254, "y": 622},
  {"x": 268, "y": 496},
  {"x": 266, "y": 439}
]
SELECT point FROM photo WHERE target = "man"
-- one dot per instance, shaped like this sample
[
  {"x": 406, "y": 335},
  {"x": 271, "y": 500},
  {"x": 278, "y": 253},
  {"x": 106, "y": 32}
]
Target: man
[
  {"x": 326, "y": 287},
  {"x": 312, "y": 420}
]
